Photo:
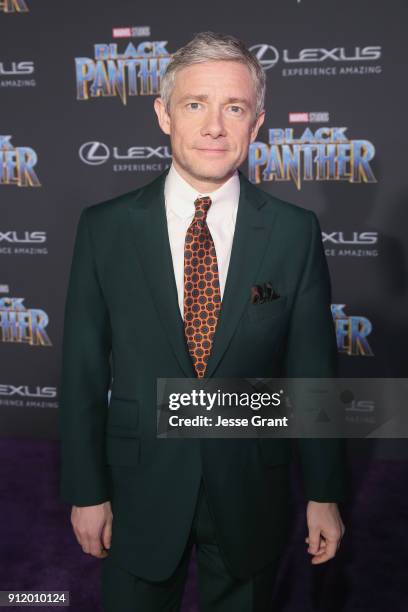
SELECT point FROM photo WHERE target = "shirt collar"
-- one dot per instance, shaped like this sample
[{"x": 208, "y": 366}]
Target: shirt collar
[{"x": 180, "y": 195}]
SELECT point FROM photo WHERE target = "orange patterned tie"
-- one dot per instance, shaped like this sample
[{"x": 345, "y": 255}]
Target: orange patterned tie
[{"x": 202, "y": 296}]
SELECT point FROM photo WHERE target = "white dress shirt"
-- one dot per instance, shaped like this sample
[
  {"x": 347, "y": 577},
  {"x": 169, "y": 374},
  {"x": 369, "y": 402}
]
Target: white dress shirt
[{"x": 179, "y": 200}]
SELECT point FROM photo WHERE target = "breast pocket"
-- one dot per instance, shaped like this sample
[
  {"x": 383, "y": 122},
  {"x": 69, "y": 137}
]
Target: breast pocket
[{"x": 267, "y": 310}]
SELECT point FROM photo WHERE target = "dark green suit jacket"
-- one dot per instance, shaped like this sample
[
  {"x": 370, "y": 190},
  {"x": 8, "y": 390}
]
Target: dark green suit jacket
[{"x": 122, "y": 319}]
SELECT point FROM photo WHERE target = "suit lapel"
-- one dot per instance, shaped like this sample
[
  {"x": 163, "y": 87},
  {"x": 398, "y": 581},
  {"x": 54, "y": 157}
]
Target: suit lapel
[
  {"x": 150, "y": 242},
  {"x": 251, "y": 236}
]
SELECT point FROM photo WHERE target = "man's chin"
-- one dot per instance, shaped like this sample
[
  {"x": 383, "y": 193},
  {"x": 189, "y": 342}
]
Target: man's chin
[{"x": 211, "y": 171}]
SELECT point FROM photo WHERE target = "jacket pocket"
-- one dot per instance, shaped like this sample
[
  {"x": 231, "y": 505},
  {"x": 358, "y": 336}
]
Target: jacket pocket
[
  {"x": 122, "y": 450},
  {"x": 123, "y": 418},
  {"x": 267, "y": 309}
]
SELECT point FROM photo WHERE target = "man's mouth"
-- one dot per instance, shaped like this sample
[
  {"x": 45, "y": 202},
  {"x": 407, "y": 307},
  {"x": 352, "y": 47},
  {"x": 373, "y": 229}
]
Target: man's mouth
[{"x": 204, "y": 150}]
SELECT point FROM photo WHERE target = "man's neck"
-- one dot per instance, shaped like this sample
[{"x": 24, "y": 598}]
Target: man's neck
[{"x": 201, "y": 186}]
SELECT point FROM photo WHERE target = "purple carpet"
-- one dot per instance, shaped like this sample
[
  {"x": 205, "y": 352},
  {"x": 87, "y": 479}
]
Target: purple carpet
[{"x": 39, "y": 550}]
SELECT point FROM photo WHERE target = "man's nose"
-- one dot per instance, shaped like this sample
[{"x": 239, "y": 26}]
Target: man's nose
[{"x": 213, "y": 123}]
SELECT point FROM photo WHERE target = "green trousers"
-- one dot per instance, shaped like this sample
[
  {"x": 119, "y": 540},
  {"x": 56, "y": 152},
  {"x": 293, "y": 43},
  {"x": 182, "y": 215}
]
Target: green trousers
[{"x": 218, "y": 591}]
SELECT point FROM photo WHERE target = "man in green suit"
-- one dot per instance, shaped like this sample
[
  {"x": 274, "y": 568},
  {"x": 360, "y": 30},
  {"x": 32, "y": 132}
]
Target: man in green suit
[{"x": 160, "y": 287}]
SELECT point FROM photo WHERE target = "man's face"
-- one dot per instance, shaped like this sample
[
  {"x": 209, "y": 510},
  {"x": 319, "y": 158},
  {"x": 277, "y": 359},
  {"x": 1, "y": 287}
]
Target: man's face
[{"x": 211, "y": 119}]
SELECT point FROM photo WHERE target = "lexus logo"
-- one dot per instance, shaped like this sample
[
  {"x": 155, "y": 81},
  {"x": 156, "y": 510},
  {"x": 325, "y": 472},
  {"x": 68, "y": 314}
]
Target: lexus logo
[
  {"x": 94, "y": 153},
  {"x": 267, "y": 55},
  {"x": 97, "y": 153}
]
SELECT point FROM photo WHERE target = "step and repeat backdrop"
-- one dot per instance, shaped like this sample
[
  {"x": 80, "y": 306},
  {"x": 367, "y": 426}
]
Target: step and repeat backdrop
[{"x": 77, "y": 85}]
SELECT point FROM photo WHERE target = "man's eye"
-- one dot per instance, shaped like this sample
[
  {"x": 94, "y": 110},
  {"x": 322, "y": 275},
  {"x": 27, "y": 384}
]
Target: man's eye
[
  {"x": 194, "y": 105},
  {"x": 237, "y": 110}
]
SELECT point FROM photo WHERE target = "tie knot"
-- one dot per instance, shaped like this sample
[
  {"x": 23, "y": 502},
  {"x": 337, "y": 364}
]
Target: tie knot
[{"x": 202, "y": 205}]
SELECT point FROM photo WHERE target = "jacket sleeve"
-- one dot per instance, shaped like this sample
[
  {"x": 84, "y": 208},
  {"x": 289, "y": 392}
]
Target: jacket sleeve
[
  {"x": 312, "y": 353},
  {"x": 85, "y": 378}
]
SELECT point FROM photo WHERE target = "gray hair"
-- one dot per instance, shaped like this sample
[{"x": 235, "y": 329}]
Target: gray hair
[{"x": 211, "y": 46}]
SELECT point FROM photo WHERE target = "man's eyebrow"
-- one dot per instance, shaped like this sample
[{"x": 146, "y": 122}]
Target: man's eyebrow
[
  {"x": 188, "y": 96},
  {"x": 240, "y": 100},
  {"x": 204, "y": 97}
]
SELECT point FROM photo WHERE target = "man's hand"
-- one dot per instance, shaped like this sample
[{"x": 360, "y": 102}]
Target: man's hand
[
  {"x": 93, "y": 528},
  {"x": 325, "y": 530}
]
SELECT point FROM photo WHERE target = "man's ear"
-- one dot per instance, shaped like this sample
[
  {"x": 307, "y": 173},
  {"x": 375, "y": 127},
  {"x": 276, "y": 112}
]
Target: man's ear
[
  {"x": 255, "y": 128},
  {"x": 162, "y": 116}
]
